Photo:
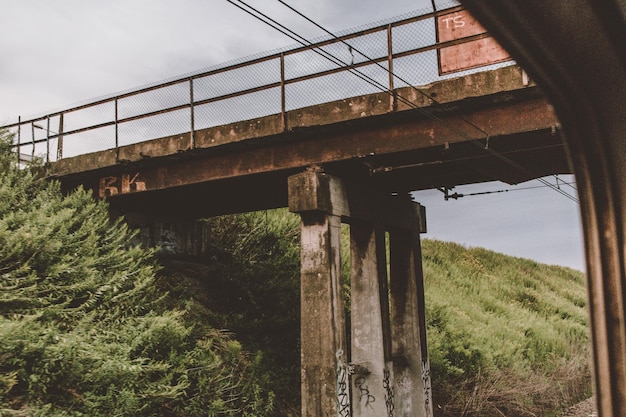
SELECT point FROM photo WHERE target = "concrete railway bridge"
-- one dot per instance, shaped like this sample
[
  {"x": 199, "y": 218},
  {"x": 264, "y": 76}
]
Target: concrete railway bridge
[{"x": 321, "y": 136}]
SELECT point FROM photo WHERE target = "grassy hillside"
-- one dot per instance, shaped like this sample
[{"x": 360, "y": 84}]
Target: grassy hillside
[{"x": 510, "y": 332}]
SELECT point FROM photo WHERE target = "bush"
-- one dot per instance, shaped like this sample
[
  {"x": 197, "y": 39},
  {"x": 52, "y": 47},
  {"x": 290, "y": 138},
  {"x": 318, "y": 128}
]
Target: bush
[{"x": 83, "y": 331}]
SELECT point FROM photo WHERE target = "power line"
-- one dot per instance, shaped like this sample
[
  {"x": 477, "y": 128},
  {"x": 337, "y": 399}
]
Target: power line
[
  {"x": 455, "y": 196},
  {"x": 569, "y": 184},
  {"x": 342, "y": 64},
  {"x": 367, "y": 57},
  {"x": 302, "y": 40},
  {"x": 485, "y": 147}
]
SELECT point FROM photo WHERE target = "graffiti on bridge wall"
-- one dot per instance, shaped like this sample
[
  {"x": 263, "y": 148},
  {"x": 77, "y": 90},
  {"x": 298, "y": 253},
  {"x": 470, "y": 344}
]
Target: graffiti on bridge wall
[
  {"x": 344, "y": 370},
  {"x": 122, "y": 184}
]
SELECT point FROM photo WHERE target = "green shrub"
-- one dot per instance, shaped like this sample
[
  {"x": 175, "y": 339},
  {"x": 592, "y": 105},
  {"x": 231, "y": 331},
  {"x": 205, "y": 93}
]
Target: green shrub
[
  {"x": 252, "y": 287},
  {"x": 83, "y": 328}
]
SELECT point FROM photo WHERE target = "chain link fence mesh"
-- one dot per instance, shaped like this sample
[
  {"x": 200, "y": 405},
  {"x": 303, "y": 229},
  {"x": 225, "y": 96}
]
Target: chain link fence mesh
[{"x": 355, "y": 64}]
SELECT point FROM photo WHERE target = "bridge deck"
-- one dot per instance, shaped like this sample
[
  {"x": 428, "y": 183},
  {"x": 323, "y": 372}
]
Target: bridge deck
[{"x": 486, "y": 126}]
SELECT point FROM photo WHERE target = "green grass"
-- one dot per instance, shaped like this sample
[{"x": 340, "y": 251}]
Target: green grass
[{"x": 493, "y": 316}]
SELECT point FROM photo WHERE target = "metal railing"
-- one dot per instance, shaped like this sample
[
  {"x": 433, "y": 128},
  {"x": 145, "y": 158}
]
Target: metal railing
[{"x": 385, "y": 57}]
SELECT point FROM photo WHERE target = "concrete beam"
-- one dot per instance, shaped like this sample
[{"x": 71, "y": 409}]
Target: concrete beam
[
  {"x": 369, "y": 137},
  {"x": 314, "y": 190},
  {"x": 508, "y": 81}
]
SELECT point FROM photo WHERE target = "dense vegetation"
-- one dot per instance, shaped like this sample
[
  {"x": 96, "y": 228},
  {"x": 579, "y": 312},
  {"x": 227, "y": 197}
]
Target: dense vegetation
[
  {"x": 507, "y": 336},
  {"x": 85, "y": 329},
  {"x": 248, "y": 283},
  {"x": 92, "y": 326}
]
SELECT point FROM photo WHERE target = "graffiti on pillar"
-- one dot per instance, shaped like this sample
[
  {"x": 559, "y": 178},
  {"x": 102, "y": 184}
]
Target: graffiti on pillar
[
  {"x": 365, "y": 396},
  {"x": 404, "y": 391},
  {"x": 426, "y": 384},
  {"x": 344, "y": 371},
  {"x": 122, "y": 184},
  {"x": 387, "y": 386}
]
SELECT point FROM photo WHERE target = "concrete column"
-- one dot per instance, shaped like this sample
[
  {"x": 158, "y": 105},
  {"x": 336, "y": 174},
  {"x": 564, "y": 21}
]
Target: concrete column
[
  {"x": 388, "y": 373},
  {"x": 323, "y": 339},
  {"x": 369, "y": 311},
  {"x": 324, "y": 372},
  {"x": 412, "y": 388}
]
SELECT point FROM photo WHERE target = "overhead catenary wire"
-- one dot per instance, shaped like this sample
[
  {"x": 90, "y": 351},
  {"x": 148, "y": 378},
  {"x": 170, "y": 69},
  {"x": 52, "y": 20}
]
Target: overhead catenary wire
[
  {"x": 456, "y": 195},
  {"x": 352, "y": 48},
  {"x": 342, "y": 64},
  {"x": 337, "y": 61},
  {"x": 569, "y": 184},
  {"x": 465, "y": 136},
  {"x": 301, "y": 40}
]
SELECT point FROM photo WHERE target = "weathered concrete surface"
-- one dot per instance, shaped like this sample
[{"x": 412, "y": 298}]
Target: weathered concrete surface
[
  {"x": 315, "y": 190},
  {"x": 482, "y": 84},
  {"x": 358, "y": 138},
  {"x": 388, "y": 361},
  {"x": 369, "y": 320},
  {"x": 322, "y": 331},
  {"x": 411, "y": 365},
  {"x": 323, "y": 326}
]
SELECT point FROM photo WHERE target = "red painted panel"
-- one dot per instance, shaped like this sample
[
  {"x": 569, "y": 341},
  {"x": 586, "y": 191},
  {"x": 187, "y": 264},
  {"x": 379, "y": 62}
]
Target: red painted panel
[{"x": 473, "y": 54}]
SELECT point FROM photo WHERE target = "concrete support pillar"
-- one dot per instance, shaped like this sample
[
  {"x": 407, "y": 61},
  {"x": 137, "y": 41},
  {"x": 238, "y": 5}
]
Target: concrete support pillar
[
  {"x": 386, "y": 371},
  {"x": 412, "y": 386},
  {"x": 323, "y": 336},
  {"x": 369, "y": 307}
]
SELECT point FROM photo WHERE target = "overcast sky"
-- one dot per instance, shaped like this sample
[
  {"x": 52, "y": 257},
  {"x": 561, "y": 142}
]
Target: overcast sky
[{"x": 56, "y": 53}]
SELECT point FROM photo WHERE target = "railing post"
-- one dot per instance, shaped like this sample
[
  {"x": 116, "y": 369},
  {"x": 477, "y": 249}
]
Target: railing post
[
  {"x": 19, "y": 137},
  {"x": 48, "y": 139},
  {"x": 393, "y": 103},
  {"x": 117, "y": 149},
  {"x": 60, "y": 138},
  {"x": 282, "y": 93},
  {"x": 192, "y": 133},
  {"x": 32, "y": 140}
]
